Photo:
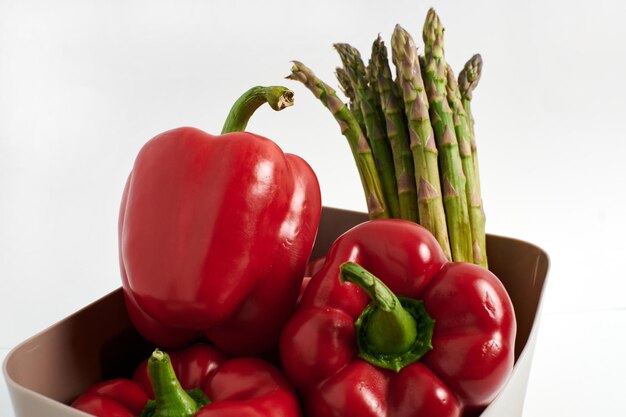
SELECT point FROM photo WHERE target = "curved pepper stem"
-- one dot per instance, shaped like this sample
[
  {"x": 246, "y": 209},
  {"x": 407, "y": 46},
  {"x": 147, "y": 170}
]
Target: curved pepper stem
[
  {"x": 170, "y": 399},
  {"x": 277, "y": 97},
  {"x": 392, "y": 331}
]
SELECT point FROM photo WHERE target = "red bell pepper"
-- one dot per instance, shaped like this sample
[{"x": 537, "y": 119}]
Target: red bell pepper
[
  {"x": 408, "y": 334},
  {"x": 196, "y": 381},
  {"x": 215, "y": 233}
]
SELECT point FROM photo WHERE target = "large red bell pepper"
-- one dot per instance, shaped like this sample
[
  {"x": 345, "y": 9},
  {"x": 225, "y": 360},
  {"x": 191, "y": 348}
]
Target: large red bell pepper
[
  {"x": 443, "y": 346},
  {"x": 215, "y": 232},
  {"x": 196, "y": 381}
]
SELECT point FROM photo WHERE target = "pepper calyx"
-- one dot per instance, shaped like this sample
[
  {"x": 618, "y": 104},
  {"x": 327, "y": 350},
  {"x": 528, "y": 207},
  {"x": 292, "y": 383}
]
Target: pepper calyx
[
  {"x": 396, "y": 361},
  {"x": 170, "y": 399},
  {"x": 391, "y": 332}
]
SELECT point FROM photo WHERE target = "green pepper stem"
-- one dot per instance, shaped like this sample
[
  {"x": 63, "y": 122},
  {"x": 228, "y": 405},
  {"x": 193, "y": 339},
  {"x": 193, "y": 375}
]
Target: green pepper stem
[
  {"x": 390, "y": 329},
  {"x": 170, "y": 397},
  {"x": 277, "y": 97},
  {"x": 391, "y": 332}
]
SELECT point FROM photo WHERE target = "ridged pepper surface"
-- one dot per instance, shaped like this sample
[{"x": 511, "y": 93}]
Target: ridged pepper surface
[
  {"x": 215, "y": 233},
  {"x": 388, "y": 328},
  {"x": 196, "y": 381}
]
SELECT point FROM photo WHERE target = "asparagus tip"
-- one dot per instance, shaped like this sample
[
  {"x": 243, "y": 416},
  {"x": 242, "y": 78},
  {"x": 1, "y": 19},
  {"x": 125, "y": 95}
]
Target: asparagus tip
[
  {"x": 470, "y": 76},
  {"x": 296, "y": 72},
  {"x": 433, "y": 34}
]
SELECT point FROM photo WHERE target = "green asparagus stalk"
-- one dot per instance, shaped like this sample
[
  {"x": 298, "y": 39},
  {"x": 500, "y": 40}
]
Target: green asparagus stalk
[
  {"x": 348, "y": 91},
  {"x": 344, "y": 83},
  {"x": 361, "y": 150},
  {"x": 452, "y": 177},
  {"x": 395, "y": 121},
  {"x": 475, "y": 207},
  {"x": 374, "y": 124},
  {"x": 468, "y": 80},
  {"x": 422, "y": 141},
  {"x": 372, "y": 84}
]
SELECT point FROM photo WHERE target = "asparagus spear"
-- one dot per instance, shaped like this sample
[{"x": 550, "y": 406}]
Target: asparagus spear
[
  {"x": 372, "y": 84},
  {"x": 475, "y": 208},
  {"x": 348, "y": 91},
  {"x": 452, "y": 177},
  {"x": 395, "y": 121},
  {"x": 361, "y": 150},
  {"x": 422, "y": 142},
  {"x": 468, "y": 80},
  {"x": 374, "y": 125}
]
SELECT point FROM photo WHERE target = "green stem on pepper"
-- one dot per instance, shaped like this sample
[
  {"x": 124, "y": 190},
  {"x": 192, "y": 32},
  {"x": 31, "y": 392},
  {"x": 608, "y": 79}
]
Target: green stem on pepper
[
  {"x": 170, "y": 399},
  {"x": 276, "y": 96},
  {"x": 392, "y": 332}
]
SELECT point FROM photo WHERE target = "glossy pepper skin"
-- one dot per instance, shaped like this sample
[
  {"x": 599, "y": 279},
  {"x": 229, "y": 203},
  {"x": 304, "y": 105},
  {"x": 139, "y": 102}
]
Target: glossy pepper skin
[
  {"x": 214, "y": 236},
  {"x": 473, "y": 334},
  {"x": 243, "y": 387}
]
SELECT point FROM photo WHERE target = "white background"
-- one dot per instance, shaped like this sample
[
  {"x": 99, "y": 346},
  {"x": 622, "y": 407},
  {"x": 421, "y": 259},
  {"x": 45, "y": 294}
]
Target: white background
[{"x": 83, "y": 84}]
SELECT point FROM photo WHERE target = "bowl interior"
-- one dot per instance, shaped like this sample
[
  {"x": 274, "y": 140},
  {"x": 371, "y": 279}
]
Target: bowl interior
[{"x": 98, "y": 342}]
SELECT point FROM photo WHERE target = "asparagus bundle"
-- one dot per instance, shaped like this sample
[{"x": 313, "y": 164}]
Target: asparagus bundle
[
  {"x": 476, "y": 214},
  {"x": 350, "y": 128},
  {"x": 453, "y": 180},
  {"x": 374, "y": 123},
  {"x": 423, "y": 148},
  {"x": 412, "y": 137},
  {"x": 395, "y": 122},
  {"x": 468, "y": 80}
]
